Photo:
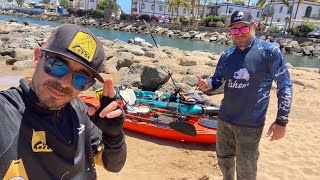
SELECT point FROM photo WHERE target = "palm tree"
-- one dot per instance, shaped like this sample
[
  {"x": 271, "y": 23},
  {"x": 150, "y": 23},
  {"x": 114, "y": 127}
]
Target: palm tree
[
  {"x": 170, "y": 3},
  {"x": 290, "y": 18},
  {"x": 154, "y": 6},
  {"x": 177, "y": 3},
  {"x": 192, "y": 8},
  {"x": 110, "y": 6},
  {"x": 299, "y": 2},
  {"x": 198, "y": 4},
  {"x": 262, "y": 3}
]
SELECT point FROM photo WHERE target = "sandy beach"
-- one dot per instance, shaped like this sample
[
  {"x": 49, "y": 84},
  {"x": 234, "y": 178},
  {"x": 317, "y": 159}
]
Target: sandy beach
[{"x": 294, "y": 157}]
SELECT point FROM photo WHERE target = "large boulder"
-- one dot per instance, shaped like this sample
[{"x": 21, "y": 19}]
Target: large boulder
[{"x": 153, "y": 77}]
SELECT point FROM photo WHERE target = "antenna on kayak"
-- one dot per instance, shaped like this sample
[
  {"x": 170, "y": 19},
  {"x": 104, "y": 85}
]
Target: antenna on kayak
[{"x": 170, "y": 75}]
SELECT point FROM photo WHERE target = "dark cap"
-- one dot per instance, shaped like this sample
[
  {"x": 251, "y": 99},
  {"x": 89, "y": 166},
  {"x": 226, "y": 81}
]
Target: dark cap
[
  {"x": 241, "y": 16},
  {"x": 79, "y": 44}
]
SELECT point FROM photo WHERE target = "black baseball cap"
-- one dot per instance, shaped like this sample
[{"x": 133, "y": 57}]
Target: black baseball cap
[
  {"x": 241, "y": 16},
  {"x": 79, "y": 44}
]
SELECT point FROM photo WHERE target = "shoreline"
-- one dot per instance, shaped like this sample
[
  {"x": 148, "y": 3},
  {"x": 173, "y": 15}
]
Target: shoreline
[
  {"x": 297, "y": 46},
  {"x": 293, "y": 157}
]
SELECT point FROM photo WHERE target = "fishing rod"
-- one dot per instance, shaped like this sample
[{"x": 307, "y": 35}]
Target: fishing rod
[{"x": 168, "y": 71}]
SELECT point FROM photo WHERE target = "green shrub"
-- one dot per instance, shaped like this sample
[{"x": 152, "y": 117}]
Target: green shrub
[
  {"x": 212, "y": 24},
  {"x": 211, "y": 18},
  {"x": 125, "y": 17},
  {"x": 221, "y": 24},
  {"x": 216, "y": 18},
  {"x": 146, "y": 17},
  {"x": 208, "y": 19},
  {"x": 303, "y": 29},
  {"x": 177, "y": 23},
  {"x": 274, "y": 29},
  {"x": 98, "y": 13},
  {"x": 80, "y": 12},
  {"x": 184, "y": 20}
]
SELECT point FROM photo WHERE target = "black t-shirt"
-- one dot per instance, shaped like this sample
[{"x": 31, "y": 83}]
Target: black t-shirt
[{"x": 37, "y": 143}]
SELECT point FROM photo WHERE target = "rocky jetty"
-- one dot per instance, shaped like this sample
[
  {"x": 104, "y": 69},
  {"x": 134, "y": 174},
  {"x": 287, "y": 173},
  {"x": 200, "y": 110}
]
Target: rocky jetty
[{"x": 288, "y": 44}]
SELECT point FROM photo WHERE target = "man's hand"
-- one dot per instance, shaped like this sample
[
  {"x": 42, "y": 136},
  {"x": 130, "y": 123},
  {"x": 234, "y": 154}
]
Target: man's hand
[
  {"x": 276, "y": 132},
  {"x": 111, "y": 110},
  {"x": 203, "y": 84},
  {"x": 109, "y": 117}
]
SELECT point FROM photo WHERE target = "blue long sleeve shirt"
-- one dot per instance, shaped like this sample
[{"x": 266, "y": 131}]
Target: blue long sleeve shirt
[{"x": 248, "y": 77}]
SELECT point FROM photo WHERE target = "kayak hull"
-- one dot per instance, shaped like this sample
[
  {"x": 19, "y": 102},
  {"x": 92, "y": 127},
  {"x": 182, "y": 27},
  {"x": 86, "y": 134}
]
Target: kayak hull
[
  {"x": 161, "y": 130},
  {"x": 204, "y": 135}
]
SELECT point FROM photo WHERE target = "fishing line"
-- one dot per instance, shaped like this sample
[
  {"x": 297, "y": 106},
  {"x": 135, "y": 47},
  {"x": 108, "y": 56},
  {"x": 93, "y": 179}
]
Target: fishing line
[
  {"x": 201, "y": 77},
  {"x": 168, "y": 71}
]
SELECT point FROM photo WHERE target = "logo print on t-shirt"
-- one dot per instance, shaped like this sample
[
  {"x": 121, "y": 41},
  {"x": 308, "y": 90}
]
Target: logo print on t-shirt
[
  {"x": 16, "y": 171},
  {"x": 81, "y": 128},
  {"x": 239, "y": 75},
  {"x": 242, "y": 74},
  {"x": 39, "y": 143}
]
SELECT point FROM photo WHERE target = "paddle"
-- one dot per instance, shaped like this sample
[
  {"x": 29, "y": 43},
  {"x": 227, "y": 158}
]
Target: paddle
[{"x": 179, "y": 126}]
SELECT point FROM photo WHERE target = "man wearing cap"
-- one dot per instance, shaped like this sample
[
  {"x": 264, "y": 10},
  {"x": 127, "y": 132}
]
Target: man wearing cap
[
  {"x": 46, "y": 131},
  {"x": 248, "y": 69}
]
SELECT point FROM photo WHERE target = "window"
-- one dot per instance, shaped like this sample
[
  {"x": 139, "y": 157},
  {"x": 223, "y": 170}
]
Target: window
[
  {"x": 230, "y": 10},
  {"x": 160, "y": 7},
  {"x": 308, "y": 11},
  {"x": 91, "y": 0},
  {"x": 142, "y": 6},
  {"x": 280, "y": 10},
  {"x": 152, "y": 7},
  {"x": 184, "y": 10},
  {"x": 258, "y": 14}
]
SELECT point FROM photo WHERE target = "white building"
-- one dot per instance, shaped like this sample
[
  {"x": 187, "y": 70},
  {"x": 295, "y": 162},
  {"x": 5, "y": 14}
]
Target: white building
[
  {"x": 307, "y": 11},
  {"x": 162, "y": 9},
  {"x": 84, "y": 4},
  {"x": 225, "y": 10}
]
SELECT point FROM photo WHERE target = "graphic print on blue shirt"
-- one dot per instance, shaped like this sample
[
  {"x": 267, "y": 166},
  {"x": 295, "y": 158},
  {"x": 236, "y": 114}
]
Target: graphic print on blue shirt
[{"x": 249, "y": 75}]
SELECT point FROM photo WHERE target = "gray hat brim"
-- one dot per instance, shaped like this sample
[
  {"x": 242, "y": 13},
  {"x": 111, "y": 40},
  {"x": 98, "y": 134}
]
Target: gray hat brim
[{"x": 241, "y": 22}]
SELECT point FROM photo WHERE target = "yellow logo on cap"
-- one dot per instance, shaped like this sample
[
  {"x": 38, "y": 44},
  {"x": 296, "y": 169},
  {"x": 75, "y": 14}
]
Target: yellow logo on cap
[
  {"x": 84, "y": 45},
  {"x": 39, "y": 143},
  {"x": 16, "y": 171}
]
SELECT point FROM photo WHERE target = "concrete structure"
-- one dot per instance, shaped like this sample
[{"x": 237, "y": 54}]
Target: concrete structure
[
  {"x": 163, "y": 9},
  {"x": 84, "y": 4},
  {"x": 225, "y": 10},
  {"x": 307, "y": 11}
]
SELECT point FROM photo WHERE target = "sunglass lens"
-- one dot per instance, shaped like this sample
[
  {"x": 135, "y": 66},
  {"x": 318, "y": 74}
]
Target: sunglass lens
[
  {"x": 81, "y": 82},
  {"x": 234, "y": 31},
  {"x": 55, "y": 67},
  {"x": 245, "y": 30},
  {"x": 58, "y": 69}
]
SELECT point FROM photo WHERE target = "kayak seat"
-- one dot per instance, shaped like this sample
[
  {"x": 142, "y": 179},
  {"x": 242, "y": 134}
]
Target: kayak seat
[{"x": 129, "y": 99}]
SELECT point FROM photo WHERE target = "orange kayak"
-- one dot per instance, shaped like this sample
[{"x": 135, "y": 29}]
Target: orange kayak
[{"x": 147, "y": 124}]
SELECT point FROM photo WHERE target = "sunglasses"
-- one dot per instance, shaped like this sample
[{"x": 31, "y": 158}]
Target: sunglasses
[
  {"x": 56, "y": 68},
  {"x": 243, "y": 30}
]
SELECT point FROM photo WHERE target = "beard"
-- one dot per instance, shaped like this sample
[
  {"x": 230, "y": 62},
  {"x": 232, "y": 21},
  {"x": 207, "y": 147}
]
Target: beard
[
  {"x": 243, "y": 43},
  {"x": 52, "y": 103}
]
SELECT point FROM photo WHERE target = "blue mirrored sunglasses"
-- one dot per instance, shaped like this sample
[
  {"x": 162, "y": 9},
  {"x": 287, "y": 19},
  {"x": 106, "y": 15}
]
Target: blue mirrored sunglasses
[{"x": 56, "y": 68}]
